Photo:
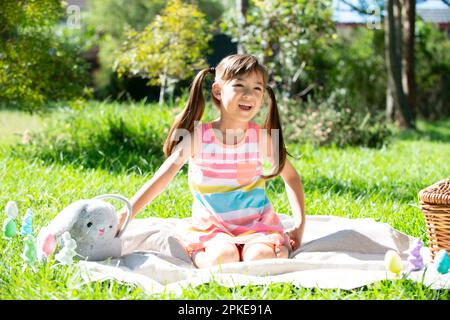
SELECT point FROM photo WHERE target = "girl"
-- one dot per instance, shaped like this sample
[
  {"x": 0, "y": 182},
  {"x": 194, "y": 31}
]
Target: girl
[{"x": 232, "y": 218}]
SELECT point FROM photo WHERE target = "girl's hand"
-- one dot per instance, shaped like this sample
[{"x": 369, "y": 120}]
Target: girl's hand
[
  {"x": 295, "y": 235},
  {"x": 122, "y": 218}
]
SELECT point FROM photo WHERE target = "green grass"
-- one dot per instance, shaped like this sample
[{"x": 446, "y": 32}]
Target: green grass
[{"x": 47, "y": 176}]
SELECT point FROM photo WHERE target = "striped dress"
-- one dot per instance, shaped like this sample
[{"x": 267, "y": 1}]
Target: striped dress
[{"x": 230, "y": 202}]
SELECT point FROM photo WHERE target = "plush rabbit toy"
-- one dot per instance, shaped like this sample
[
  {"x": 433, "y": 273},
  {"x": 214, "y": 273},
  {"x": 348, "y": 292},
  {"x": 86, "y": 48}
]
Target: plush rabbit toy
[{"x": 91, "y": 223}]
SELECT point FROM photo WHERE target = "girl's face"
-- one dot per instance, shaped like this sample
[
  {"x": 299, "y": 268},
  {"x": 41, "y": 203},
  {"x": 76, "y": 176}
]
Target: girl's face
[{"x": 241, "y": 97}]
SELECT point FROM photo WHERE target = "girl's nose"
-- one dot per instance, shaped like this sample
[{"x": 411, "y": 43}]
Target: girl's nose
[{"x": 247, "y": 93}]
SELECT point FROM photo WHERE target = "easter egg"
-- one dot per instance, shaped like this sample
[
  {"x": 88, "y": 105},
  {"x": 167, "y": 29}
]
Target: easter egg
[
  {"x": 11, "y": 209},
  {"x": 393, "y": 262},
  {"x": 442, "y": 261},
  {"x": 49, "y": 245},
  {"x": 29, "y": 251},
  {"x": 9, "y": 228},
  {"x": 27, "y": 223},
  {"x": 415, "y": 258}
]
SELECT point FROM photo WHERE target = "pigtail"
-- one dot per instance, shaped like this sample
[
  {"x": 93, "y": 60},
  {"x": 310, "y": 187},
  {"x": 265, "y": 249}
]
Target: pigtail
[
  {"x": 273, "y": 122},
  {"x": 193, "y": 111}
]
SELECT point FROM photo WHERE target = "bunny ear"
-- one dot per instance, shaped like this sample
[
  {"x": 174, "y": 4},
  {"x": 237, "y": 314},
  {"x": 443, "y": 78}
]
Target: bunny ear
[{"x": 65, "y": 220}]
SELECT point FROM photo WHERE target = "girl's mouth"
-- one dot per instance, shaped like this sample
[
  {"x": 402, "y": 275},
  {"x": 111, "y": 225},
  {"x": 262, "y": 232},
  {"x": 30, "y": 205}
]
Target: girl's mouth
[{"x": 245, "y": 107}]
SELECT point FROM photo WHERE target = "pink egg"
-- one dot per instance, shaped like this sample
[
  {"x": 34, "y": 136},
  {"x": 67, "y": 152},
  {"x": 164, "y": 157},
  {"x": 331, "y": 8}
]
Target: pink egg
[{"x": 49, "y": 245}]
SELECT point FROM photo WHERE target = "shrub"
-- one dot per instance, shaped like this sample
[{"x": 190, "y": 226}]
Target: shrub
[{"x": 333, "y": 121}]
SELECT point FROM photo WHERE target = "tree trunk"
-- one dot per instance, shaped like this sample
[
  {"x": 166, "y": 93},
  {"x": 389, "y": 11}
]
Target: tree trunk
[
  {"x": 162, "y": 90},
  {"x": 241, "y": 8},
  {"x": 393, "y": 36},
  {"x": 408, "y": 74},
  {"x": 390, "y": 101}
]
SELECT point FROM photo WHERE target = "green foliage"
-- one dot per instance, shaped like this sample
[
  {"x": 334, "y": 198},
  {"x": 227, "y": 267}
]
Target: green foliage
[
  {"x": 286, "y": 36},
  {"x": 432, "y": 71},
  {"x": 36, "y": 66},
  {"x": 22, "y": 16},
  {"x": 114, "y": 17},
  {"x": 103, "y": 136},
  {"x": 172, "y": 46},
  {"x": 111, "y": 18},
  {"x": 357, "y": 64},
  {"x": 333, "y": 121}
]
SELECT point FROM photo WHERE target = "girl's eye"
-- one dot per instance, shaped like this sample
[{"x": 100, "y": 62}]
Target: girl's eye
[
  {"x": 238, "y": 85},
  {"x": 258, "y": 88},
  {"x": 89, "y": 224}
]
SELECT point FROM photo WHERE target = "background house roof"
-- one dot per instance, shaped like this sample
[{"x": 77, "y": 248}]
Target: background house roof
[{"x": 434, "y": 11}]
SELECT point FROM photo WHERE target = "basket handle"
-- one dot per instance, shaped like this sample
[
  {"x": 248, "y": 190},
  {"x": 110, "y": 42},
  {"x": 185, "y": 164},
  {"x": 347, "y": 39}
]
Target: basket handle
[{"x": 127, "y": 203}]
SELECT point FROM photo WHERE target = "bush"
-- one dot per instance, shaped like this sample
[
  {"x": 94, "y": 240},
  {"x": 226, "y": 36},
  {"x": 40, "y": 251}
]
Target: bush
[
  {"x": 333, "y": 121},
  {"x": 113, "y": 137}
]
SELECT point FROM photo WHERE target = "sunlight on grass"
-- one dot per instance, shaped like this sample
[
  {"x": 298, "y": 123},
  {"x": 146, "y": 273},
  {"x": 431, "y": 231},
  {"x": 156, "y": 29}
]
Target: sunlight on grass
[{"x": 353, "y": 182}]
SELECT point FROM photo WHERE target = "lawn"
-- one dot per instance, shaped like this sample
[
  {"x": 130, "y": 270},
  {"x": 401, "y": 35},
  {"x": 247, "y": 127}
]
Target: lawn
[{"x": 77, "y": 159}]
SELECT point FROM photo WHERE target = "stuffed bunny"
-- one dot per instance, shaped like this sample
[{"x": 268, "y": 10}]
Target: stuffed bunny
[{"x": 91, "y": 223}]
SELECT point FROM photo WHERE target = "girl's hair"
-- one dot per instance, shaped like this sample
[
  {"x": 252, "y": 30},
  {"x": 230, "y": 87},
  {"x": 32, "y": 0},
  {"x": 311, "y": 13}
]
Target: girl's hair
[{"x": 229, "y": 68}]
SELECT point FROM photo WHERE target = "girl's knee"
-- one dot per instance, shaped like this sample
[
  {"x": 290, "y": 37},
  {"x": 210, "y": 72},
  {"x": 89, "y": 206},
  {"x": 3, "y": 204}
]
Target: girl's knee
[
  {"x": 221, "y": 253},
  {"x": 258, "y": 251}
]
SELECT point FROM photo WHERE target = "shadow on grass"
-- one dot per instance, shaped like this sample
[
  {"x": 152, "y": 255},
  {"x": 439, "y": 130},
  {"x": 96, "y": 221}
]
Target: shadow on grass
[
  {"x": 438, "y": 131},
  {"x": 356, "y": 189},
  {"x": 116, "y": 148},
  {"x": 117, "y": 160}
]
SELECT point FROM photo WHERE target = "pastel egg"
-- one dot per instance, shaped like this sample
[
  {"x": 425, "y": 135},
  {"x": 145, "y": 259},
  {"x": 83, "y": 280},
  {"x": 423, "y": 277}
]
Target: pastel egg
[
  {"x": 49, "y": 245},
  {"x": 393, "y": 262},
  {"x": 442, "y": 261}
]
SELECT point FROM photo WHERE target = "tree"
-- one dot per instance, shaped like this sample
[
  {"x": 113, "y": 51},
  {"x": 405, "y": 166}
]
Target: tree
[
  {"x": 399, "y": 61},
  {"x": 35, "y": 64},
  {"x": 241, "y": 9},
  {"x": 169, "y": 48},
  {"x": 399, "y": 26},
  {"x": 285, "y": 35}
]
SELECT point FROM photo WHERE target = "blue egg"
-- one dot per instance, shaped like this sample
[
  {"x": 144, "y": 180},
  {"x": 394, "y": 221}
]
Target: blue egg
[{"x": 442, "y": 262}]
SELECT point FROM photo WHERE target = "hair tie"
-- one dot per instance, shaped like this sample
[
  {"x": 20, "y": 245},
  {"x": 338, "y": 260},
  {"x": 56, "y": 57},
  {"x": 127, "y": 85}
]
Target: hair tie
[{"x": 212, "y": 70}]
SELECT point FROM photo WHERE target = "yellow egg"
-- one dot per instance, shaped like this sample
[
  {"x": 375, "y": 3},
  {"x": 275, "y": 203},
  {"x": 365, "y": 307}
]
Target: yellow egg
[{"x": 393, "y": 262}]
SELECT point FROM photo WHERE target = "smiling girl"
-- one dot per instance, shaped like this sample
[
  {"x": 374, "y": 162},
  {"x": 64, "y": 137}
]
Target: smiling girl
[{"x": 232, "y": 217}]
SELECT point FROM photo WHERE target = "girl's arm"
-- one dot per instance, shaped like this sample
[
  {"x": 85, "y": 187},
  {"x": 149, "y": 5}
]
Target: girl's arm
[
  {"x": 294, "y": 188},
  {"x": 162, "y": 177}
]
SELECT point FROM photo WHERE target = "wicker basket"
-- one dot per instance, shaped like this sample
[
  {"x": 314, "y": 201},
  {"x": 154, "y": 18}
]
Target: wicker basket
[{"x": 435, "y": 205}]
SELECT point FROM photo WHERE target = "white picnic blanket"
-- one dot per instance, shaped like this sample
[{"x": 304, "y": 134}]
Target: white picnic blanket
[{"x": 336, "y": 253}]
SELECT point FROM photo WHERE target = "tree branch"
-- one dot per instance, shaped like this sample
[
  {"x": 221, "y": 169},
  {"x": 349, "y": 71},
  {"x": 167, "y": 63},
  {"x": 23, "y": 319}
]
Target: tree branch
[{"x": 363, "y": 7}]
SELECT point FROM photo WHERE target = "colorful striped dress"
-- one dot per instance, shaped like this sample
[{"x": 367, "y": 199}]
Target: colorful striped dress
[{"x": 230, "y": 202}]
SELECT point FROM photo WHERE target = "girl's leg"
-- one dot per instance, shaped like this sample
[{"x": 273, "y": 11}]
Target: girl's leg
[
  {"x": 259, "y": 250},
  {"x": 218, "y": 252}
]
